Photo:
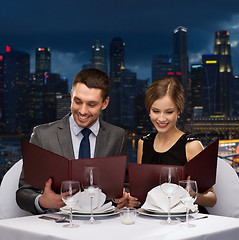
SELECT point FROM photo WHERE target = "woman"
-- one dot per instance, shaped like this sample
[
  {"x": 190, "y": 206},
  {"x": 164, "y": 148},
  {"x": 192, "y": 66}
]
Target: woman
[{"x": 165, "y": 101}]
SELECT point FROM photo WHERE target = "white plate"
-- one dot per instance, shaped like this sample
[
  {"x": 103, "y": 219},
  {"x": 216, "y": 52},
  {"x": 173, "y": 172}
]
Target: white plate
[
  {"x": 84, "y": 214},
  {"x": 158, "y": 214}
]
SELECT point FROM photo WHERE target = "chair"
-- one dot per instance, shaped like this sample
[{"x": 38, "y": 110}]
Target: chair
[
  {"x": 9, "y": 185},
  {"x": 227, "y": 191}
]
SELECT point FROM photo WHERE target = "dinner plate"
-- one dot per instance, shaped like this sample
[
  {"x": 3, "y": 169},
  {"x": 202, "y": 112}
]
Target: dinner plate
[
  {"x": 144, "y": 212},
  {"x": 108, "y": 213}
]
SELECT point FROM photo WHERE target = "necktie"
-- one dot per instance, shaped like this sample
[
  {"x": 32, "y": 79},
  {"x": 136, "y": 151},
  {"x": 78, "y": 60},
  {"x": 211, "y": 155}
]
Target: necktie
[{"x": 84, "y": 151}]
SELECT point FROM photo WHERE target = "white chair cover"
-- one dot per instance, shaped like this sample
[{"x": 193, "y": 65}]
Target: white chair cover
[
  {"x": 9, "y": 185},
  {"x": 227, "y": 191}
]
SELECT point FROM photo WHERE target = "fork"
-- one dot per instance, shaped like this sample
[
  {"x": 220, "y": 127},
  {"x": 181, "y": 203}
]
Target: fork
[
  {"x": 194, "y": 218},
  {"x": 57, "y": 220}
]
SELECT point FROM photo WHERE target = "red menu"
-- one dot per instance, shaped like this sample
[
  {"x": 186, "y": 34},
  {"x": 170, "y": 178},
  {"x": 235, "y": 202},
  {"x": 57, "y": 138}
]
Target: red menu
[
  {"x": 40, "y": 164},
  {"x": 202, "y": 168}
]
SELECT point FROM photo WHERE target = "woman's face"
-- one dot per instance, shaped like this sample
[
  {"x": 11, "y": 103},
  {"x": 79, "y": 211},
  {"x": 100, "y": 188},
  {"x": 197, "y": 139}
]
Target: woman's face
[{"x": 164, "y": 114}]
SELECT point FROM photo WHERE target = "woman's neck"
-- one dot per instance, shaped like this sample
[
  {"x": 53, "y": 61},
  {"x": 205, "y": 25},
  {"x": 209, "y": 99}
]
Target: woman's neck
[
  {"x": 171, "y": 135},
  {"x": 164, "y": 141}
]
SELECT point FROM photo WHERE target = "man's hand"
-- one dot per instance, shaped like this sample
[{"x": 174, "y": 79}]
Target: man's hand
[
  {"x": 123, "y": 200},
  {"x": 49, "y": 198}
]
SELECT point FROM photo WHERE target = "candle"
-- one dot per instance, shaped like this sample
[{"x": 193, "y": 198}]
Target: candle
[
  {"x": 127, "y": 215},
  {"x": 128, "y": 221}
]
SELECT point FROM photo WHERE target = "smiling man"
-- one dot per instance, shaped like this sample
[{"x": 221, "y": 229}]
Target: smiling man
[{"x": 89, "y": 96}]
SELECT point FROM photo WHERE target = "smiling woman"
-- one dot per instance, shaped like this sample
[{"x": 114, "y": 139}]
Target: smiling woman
[{"x": 169, "y": 145}]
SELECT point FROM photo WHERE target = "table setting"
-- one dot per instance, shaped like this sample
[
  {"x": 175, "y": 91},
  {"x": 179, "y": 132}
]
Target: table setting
[
  {"x": 88, "y": 215},
  {"x": 127, "y": 223},
  {"x": 171, "y": 199},
  {"x": 83, "y": 207}
]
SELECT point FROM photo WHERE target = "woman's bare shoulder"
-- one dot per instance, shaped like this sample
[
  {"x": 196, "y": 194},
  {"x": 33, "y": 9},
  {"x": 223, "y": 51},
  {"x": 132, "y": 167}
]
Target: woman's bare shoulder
[{"x": 193, "y": 148}]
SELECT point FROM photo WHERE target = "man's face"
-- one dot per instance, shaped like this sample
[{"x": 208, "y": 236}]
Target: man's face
[{"x": 86, "y": 104}]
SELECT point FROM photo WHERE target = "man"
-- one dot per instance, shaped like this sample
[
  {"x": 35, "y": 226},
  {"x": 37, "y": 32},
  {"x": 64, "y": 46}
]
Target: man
[{"x": 89, "y": 96}]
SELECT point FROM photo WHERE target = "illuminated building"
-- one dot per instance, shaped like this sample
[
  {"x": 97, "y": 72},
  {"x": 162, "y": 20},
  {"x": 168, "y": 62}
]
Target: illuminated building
[
  {"x": 143, "y": 124},
  {"x": 196, "y": 88},
  {"x": 180, "y": 52},
  {"x": 43, "y": 60},
  {"x": 1, "y": 92},
  {"x": 181, "y": 65},
  {"x": 42, "y": 70},
  {"x": 99, "y": 56},
  {"x": 54, "y": 86},
  {"x": 162, "y": 65},
  {"x": 236, "y": 95},
  {"x": 63, "y": 102},
  {"x": 127, "y": 100},
  {"x": 212, "y": 98},
  {"x": 117, "y": 48},
  {"x": 222, "y": 48},
  {"x": 16, "y": 95},
  {"x": 218, "y": 125}
]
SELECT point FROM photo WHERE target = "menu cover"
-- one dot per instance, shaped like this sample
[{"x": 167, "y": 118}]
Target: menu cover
[
  {"x": 202, "y": 168},
  {"x": 40, "y": 164}
]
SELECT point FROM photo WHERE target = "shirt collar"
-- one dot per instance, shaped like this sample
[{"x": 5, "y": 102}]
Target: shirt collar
[{"x": 77, "y": 129}]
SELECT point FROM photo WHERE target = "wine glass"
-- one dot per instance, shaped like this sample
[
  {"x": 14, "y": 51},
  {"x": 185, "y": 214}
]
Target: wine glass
[
  {"x": 169, "y": 179},
  {"x": 90, "y": 185},
  {"x": 69, "y": 190},
  {"x": 191, "y": 187}
]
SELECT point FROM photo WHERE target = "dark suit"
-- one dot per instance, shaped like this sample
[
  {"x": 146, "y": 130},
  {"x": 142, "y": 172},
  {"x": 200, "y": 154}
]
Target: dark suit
[{"x": 56, "y": 137}]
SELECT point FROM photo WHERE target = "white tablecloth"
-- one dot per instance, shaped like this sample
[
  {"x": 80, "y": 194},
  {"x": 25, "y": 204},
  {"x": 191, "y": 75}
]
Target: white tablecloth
[{"x": 145, "y": 228}]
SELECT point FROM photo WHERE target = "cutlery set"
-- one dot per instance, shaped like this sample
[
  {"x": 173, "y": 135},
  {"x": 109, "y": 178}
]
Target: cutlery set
[
  {"x": 57, "y": 220},
  {"x": 194, "y": 218}
]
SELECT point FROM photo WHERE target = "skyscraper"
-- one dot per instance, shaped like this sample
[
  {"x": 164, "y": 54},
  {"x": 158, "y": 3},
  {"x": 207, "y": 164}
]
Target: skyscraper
[
  {"x": 99, "y": 56},
  {"x": 180, "y": 52},
  {"x": 63, "y": 103},
  {"x": 16, "y": 96},
  {"x": 197, "y": 76},
  {"x": 43, "y": 60},
  {"x": 2, "y": 122},
  {"x": 116, "y": 65},
  {"x": 212, "y": 99},
  {"x": 116, "y": 61},
  {"x": 42, "y": 69},
  {"x": 181, "y": 57},
  {"x": 236, "y": 95},
  {"x": 127, "y": 98},
  {"x": 222, "y": 47},
  {"x": 143, "y": 124},
  {"x": 162, "y": 65}
]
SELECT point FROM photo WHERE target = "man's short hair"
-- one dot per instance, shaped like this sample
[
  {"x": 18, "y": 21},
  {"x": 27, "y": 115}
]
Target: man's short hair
[{"x": 93, "y": 78}]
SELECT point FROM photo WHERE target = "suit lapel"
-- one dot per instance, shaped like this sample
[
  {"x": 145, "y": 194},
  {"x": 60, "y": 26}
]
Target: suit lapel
[
  {"x": 101, "y": 141},
  {"x": 64, "y": 137}
]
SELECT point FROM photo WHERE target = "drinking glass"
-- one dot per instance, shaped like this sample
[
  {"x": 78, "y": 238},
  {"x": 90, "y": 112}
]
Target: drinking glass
[
  {"x": 90, "y": 185},
  {"x": 69, "y": 190},
  {"x": 191, "y": 187},
  {"x": 169, "y": 179}
]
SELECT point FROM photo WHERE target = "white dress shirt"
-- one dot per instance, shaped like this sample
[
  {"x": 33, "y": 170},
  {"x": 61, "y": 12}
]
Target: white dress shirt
[{"x": 77, "y": 136}]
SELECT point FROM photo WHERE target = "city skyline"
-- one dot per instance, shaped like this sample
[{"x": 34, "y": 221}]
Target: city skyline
[{"x": 147, "y": 30}]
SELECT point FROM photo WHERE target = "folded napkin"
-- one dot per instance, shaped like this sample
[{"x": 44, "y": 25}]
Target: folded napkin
[
  {"x": 98, "y": 200},
  {"x": 157, "y": 201}
]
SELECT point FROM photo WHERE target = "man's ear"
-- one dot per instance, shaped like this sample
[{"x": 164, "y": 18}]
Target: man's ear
[
  {"x": 105, "y": 103},
  {"x": 71, "y": 94}
]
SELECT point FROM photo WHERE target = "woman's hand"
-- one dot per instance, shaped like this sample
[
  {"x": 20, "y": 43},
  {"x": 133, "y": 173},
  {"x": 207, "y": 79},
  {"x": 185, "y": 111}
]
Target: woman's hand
[
  {"x": 132, "y": 201},
  {"x": 121, "y": 202}
]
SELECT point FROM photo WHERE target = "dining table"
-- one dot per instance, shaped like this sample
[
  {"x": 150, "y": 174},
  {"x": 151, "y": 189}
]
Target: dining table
[{"x": 211, "y": 227}]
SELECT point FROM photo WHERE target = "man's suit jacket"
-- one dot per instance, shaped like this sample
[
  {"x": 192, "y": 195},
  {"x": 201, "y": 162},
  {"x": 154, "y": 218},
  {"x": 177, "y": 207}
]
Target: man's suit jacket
[{"x": 56, "y": 137}]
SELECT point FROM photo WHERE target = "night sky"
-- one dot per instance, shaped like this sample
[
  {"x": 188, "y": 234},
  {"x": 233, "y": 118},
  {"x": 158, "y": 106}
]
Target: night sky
[{"x": 69, "y": 27}]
